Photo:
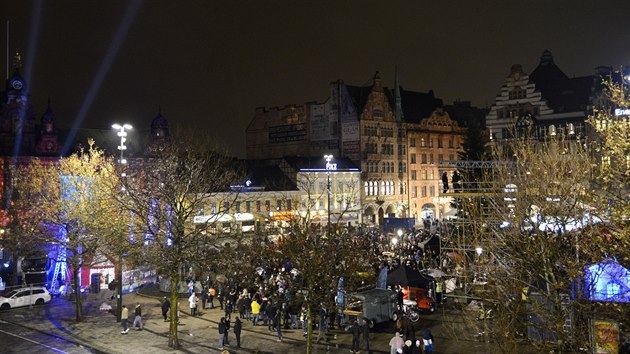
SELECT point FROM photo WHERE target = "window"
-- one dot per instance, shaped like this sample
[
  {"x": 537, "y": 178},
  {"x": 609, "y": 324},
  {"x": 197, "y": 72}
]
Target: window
[
  {"x": 267, "y": 205},
  {"x": 440, "y": 143},
  {"x": 414, "y": 192},
  {"x": 430, "y": 142},
  {"x": 432, "y": 191},
  {"x": 289, "y": 204},
  {"x": 424, "y": 158},
  {"x": 450, "y": 143},
  {"x": 440, "y": 158},
  {"x": 412, "y": 142},
  {"x": 422, "y": 142},
  {"x": 413, "y": 175},
  {"x": 413, "y": 158},
  {"x": 238, "y": 207},
  {"x": 424, "y": 191},
  {"x": 424, "y": 175},
  {"x": 248, "y": 207},
  {"x": 213, "y": 208},
  {"x": 278, "y": 205},
  {"x": 400, "y": 167},
  {"x": 258, "y": 206}
]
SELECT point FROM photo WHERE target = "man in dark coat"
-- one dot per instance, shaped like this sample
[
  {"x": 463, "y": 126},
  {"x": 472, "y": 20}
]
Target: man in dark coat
[
  {"x": 355, "y": 330},
  {"x": 166, "y": 305},
  {"x": 237, "y": 331},
  {"x": 365, "y": 329}
]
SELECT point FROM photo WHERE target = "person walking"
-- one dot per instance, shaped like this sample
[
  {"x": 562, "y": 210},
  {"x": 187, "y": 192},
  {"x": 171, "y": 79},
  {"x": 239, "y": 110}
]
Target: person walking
[
  {"x": 396, "y": 344},
  {"x": 276, "y": 322},
  {"x": 166, "y": 305},
  {"x": 237, "y": 331},
  {"x": 137, "y": 320},
  {"x": 355, "y": 330},
  {"x": 124, "y": 315},
  {"x": 427, "y": 340},
  {"x": 222, "y": 331},
  {"x": 192, "y": 303}
]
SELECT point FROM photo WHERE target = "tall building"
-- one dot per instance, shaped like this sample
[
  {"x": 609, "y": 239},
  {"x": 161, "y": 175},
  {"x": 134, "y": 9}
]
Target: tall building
[
  {"x": 366, "y": 124},
  {"x": 543, "y": 103}
]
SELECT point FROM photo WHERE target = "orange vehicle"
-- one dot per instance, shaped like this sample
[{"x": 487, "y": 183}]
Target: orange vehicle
[{"x": 420, "y": 296}]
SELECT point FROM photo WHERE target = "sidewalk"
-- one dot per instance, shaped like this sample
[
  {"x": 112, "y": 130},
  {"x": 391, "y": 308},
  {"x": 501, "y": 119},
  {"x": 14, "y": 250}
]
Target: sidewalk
[{"x": 197, "y": 334}]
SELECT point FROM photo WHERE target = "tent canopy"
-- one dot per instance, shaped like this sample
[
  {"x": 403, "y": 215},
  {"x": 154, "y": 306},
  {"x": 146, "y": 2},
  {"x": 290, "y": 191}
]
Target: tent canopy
[{"x": 407, "y": 276}]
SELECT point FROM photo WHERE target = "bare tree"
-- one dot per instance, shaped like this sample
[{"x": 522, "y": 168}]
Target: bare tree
[{"x": 164, "y": 194}]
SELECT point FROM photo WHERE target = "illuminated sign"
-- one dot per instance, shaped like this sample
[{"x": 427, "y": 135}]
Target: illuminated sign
[
  {"x": 329, "y": 165},
  {"x": 622, "y": 111}
]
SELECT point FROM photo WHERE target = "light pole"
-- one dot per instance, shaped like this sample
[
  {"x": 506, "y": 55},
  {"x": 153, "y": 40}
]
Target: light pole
[
  {"x": 122, "y": 147},
  {"x": 329, "y": 167}
]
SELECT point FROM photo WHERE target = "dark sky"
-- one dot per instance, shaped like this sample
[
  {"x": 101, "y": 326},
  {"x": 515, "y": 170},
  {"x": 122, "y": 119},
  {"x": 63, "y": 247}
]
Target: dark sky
[{"x": 210, "y": 63}]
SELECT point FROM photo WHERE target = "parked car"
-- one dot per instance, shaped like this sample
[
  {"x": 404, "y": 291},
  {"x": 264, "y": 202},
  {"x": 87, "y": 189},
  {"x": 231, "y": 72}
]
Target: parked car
[{"x": 32, "y": 295}]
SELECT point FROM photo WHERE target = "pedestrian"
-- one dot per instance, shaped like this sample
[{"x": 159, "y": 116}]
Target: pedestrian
[
  {"x": 255, "y": 311},
  {"x": 221, "y": 332},
  {"x": 427, "y": 340},
  {"x": 276, "y": 322},
  {"x": 211, "y": 294},
  {"x": 237, "y": 331},
  {"x": 416, "y": 348},
  {"x": 204, "y": 298},
  {"x": 124, "y": 315},
  {"x": 192, "y": 303},
  {"x": 247, "y": 306},
  {"x": 304, "y": 321},
  {"x": 137, "y": 320},
  {"x": 220, "y": 298},
  {"x": 355, "y": 330},
  {"x": 365, "y": 329},
  {"x": 323, "y": 324},
  {"x": 228, "y": 309},
  {"x": 166, "y": 305},
  {"x": 227, "y": 331},
  {"x": 445, "y": 182},
  {"x": 407, "y": 347},
  {"x": 396, "y": 344},
  {"x": 191, "y": 287}
]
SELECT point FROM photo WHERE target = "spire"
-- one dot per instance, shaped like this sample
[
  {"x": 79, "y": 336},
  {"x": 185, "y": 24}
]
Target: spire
[{"x": 398, "y": 114}]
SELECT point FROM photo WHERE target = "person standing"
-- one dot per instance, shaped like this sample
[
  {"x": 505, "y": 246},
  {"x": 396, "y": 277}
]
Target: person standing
[
  {"x": 124, "y": 315},
  {"x": 355, "y": 330},
  {"x": 276, "y": 322},
  {"x": 365, "y": 329},
  {"x": 396, "y": 344},
  {"x": 204, "y": 298},
  {"x": 221, "y": 332},
  {"x": 255, "y": 311},
  {"x": 445, "y": 182},
  {"x": 211, "y": 294},
  {"x": 220, "y": 297},
  {"x": 237, "y": 331},
  {"x": 427, "y": 340},
  {"x": 137, "y": 320},
  {"x": 227, "y": 331},
  {"x": 192, "y": 303},
  {"x": 166, "y": 305}
]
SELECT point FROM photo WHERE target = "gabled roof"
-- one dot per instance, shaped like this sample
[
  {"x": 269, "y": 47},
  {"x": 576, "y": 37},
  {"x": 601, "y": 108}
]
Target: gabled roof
[
  {"x": 415, "y": 105},
  {"x": 562, "y": 93}
]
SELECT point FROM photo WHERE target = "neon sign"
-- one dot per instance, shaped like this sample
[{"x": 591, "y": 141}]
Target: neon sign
[{"x": 329, "y": 165}]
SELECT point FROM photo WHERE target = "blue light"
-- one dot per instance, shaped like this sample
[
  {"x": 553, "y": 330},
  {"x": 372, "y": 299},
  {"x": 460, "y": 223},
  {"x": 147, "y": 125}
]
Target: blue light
[
  {"x": 608, "y": 281},
  {"x": 7, "y": 264}
]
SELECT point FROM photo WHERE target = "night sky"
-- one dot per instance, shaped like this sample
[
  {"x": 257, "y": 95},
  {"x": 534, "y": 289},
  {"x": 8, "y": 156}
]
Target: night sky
[{"x": 210, "y": 64}]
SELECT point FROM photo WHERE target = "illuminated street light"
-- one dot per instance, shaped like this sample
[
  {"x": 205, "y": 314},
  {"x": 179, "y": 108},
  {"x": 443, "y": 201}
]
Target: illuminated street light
[
  {"x": 122, "y": 147},
  {"x": 329, "y": 167}
]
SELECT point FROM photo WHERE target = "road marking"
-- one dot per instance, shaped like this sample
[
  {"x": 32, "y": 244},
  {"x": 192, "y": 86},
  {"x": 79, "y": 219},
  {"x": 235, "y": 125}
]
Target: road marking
[{"x": 32, "y": 341}]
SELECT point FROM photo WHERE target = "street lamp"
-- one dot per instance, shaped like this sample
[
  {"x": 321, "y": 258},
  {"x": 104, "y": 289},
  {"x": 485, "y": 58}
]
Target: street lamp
[
  {"x": 329, "y": 167},
  {"x": 122, "y": 147}
]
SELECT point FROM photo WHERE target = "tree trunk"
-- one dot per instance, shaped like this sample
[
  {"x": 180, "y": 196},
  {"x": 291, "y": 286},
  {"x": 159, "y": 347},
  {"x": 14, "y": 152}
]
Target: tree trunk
[
  {"x": 77, "y": 292},
  {"x": 309, "y": 337},
  {"x": 173, "y": 341}
]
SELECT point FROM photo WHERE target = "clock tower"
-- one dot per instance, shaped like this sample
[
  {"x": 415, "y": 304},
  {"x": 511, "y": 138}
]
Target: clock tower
[{"x": 17, "y": 120}]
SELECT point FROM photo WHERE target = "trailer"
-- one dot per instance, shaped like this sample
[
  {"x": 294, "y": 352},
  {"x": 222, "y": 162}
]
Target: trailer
[{"x": 374, "y": 305}]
